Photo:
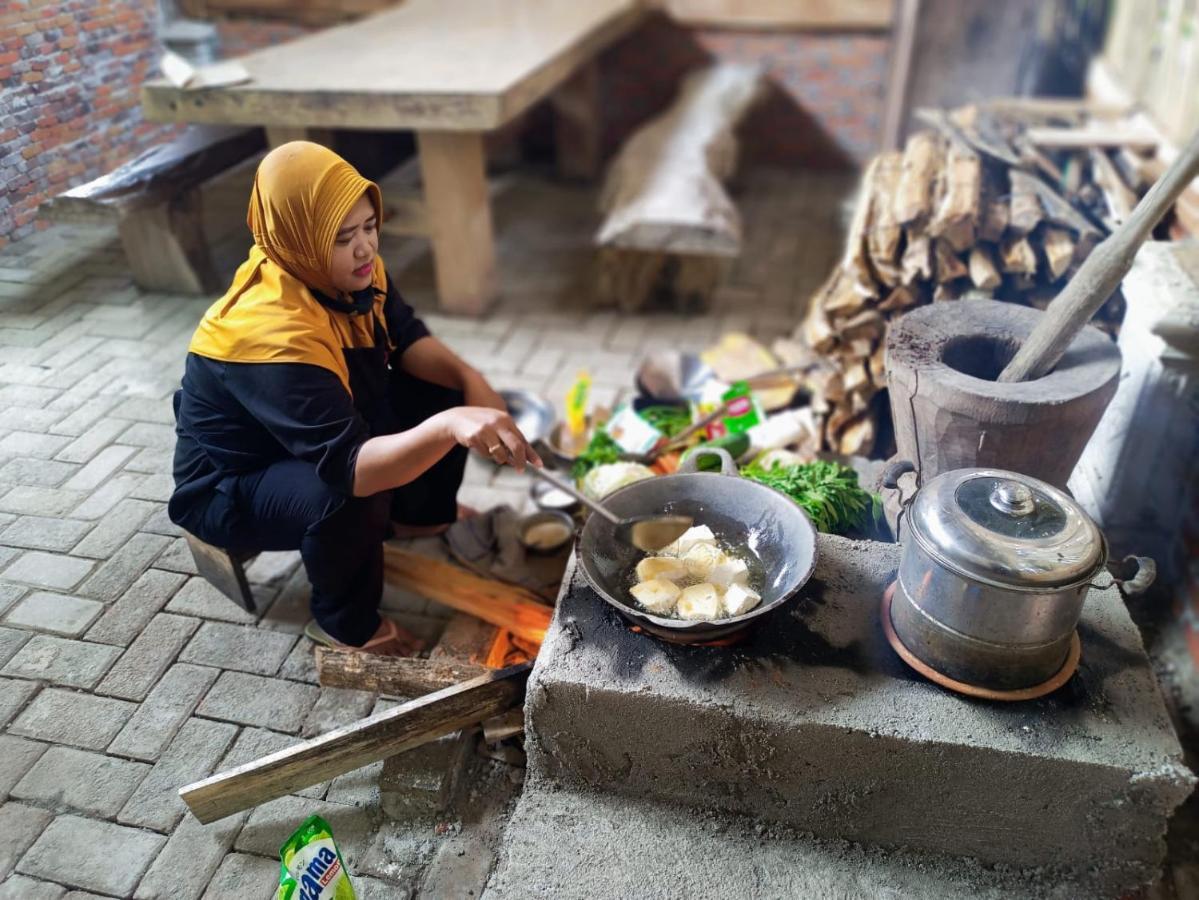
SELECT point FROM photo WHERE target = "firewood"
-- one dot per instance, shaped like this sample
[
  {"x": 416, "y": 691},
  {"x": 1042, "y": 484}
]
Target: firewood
[
  {"x": 1056, "y": 208},
  {"x": 980, "y": 129},
  {"x": 957, "y": 214},
  {"x": 983, "y": 271},
  {"x": 405, "y": 676},
  {"x": 1026, "y": 212},
  {"x": 866, "y": 324},
  {"x": 845, "y": 299},
  {"x": 857, "y": 436},
  {"x": 859, "y": 348},
  {"x": 949, "y": 265},
  {"x": 1119, "y": 198},
  {"x": 922, "y": 158},
  {"x": 882, "y": 240},
  {"x": 917, "y": 259},
  {"x": 1017, "y": 256},
  {"x": 1058, "y": 246},
  {"x": 878, "y": 364},
  {"x": 857, "y": 378},
  {"x": 816, "y": 331},
  {"x": 1138, "y": 138},
  {"x": 901, "y": 297},
  {"x": 995, "y": 210},
  {"x": 856, "y": 261},
  {"x": 943, "y": 293}
]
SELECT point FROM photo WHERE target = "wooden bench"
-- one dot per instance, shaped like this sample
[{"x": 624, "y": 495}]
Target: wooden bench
[
  {"x": 225, "y": 571},
  {"x": 669, "y": 224},
  {"x": 155, "y": 202}
]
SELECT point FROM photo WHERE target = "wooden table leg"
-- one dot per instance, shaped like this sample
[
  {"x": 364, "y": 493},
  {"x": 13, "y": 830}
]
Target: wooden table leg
[
  {"x": 577, "y": 127},
  {"x": 453, "y": 166},
  {"x": 282, "y": 134}
]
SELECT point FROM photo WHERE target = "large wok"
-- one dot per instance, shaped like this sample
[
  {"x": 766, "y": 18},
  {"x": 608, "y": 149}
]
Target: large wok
[{"x": 742, "y": 514}]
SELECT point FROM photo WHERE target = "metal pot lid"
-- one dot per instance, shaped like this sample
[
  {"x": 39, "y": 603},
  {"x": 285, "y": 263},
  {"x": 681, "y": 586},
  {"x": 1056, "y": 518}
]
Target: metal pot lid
[{"x": 1005, "y": 528}]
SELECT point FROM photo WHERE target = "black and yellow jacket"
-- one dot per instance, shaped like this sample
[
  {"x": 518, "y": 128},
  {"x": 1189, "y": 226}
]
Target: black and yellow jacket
[{"x": 281, "y": 371}]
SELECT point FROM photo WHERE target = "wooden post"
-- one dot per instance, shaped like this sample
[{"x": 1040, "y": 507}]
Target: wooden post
[
  {"x": 459, "y": 218},
  {"x": 577, "y": 127}
]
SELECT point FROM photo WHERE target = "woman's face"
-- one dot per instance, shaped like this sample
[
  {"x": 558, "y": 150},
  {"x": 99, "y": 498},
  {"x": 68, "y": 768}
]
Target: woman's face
[{"x": 355, "y": 247}]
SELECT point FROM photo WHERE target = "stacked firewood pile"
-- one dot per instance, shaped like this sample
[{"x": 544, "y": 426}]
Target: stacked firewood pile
[{"x": 1000, "y": 202}]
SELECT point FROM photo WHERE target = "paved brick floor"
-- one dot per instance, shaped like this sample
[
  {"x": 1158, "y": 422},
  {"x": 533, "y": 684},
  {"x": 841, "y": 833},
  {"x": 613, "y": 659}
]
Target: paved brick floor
[{"x": 122, "y": 674}]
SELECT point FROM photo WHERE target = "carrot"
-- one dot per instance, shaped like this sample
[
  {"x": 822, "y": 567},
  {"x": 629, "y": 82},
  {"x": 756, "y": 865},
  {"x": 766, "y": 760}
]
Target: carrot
[{"x": 666, "y": 464}]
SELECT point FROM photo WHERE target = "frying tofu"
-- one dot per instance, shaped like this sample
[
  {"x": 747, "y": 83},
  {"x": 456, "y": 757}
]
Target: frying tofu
[{"x": 700, "y": 601}]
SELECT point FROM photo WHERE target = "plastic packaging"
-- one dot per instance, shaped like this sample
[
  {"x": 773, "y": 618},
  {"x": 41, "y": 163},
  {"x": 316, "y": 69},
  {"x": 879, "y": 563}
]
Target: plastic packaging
[{"x": 311, "y": 865}]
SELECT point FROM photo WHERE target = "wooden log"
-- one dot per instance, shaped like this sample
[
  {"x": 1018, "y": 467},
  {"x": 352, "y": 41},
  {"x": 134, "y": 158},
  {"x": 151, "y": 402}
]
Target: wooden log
[
  {"x": 1118, "y": 196},
  {"x": 949, "y": 265},
  {"x": 857, "y": 436},
  {"x": 356, "y": 745},
  {"x": 882, "y": 241},
  {"x": 1017, "y": 256},
  {"x": 663, "y": 195},
  {"x": 946, "y": 292},
  {"x": 918, "y": 259},
  {"x": 402, "y": 675},
  {"x": 507, "y": 606},
  {"x": 902, "y": 297},
  {"x": 1058, "y": 246},
  {"x": 922, "y": 156},
  {"x": 866, "y": 324},
  {"x": 983, "y": 271},
  {"x": 1092, "y": 136},
  {"x": 1054, "y": 206},
  {"x": 855, "y": 262},
  {"x": 465, "y": 639},
  {"x": 958, "y": 212},
  {"x": 845, "y": 298},
  {"x": 1026, "y": 211},
  {"x": 995, "y": 209}
]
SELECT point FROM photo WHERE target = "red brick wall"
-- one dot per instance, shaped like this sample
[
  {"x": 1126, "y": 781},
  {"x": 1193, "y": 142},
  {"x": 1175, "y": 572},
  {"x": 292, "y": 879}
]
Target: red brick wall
[
  {"x": 69, "y": 77},
  {"x": 824, "y": 107}
]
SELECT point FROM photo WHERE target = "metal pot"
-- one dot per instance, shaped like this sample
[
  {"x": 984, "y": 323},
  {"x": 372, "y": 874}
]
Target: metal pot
[
  {"x": 995, "y": 569},
  {"x": 741, "y": 513}
]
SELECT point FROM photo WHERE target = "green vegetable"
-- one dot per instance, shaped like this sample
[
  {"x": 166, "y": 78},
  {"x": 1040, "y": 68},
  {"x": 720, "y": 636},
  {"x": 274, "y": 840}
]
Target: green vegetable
[
  {"x": 669, "y": 420},
  {"x": 827, "y": 491}
]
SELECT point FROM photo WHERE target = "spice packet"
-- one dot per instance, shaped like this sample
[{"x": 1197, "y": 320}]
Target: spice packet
[
  {"x": 311, "y": 865},
  {"x": 631, "y": 432}
]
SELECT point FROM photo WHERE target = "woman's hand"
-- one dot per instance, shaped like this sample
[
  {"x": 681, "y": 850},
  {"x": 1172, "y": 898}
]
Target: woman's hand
[
  {"x": 479, "y": 393},
  {"x": 491, "y": 433}
]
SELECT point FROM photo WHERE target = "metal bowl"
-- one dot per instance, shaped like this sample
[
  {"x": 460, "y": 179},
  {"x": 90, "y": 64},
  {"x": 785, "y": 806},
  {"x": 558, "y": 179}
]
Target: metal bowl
[
  {"x": 546, "y": 496},
  {"x": 525, "y": 531},
  {"x": 670, "y": 376},
  {"x": 533, "y": 414}
]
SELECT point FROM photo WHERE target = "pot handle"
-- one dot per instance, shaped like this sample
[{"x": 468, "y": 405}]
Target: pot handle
[
  {"x": 897, "y": 470},
  {"x": 1133, "y": 574},
  {"x": 691, "y": 464}
]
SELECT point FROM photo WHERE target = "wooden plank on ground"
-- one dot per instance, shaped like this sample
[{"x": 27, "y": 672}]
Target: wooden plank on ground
[
  {"x": 403, "y": 675},
  {"x": 808, "y": 15},
  {"x": 507, "y": 606},
  {"x": 356, "y": 745}
]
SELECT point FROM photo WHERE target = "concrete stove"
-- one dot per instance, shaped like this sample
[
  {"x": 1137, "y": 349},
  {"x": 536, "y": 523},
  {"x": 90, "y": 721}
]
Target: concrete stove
[{"x": 814, "y": 726}]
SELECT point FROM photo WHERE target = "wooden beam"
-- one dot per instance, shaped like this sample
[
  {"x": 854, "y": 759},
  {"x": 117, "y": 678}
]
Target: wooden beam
[
  {"x": 507, "y": 606},
  {"x": 1095, "y": 136},
  {"x": 578, "y": 126},
  {"x": 806, "y": 15},
  {"x": 406, "y": 676},
  {"x": 903, "y": 42},
  {"x": 356, "y": 745}
]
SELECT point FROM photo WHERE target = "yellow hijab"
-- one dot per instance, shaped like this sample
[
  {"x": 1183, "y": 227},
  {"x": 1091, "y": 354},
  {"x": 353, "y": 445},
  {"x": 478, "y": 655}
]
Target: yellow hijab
[{"x": 302, "y": 192}]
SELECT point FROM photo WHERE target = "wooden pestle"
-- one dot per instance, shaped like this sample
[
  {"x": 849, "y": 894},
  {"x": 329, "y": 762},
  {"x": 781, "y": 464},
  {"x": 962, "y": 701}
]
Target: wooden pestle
[{"x": 1100, "y": 274}]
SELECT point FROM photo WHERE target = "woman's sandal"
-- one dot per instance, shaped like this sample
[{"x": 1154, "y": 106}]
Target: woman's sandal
[{"x": 389, "y": 640}]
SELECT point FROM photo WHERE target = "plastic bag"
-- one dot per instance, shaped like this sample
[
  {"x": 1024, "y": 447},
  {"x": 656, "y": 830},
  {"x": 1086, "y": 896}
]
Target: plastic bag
[{"x": 311, "y": 866}]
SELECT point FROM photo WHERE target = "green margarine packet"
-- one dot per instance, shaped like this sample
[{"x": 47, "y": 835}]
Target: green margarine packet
[{"x": 311, "y": 865}]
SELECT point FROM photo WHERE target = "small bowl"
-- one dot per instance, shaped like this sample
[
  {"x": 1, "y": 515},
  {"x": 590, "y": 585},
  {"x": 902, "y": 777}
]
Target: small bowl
[
  {"x": 546, "y": 496},
  {"x": 546, "y": 532},
  {"x": 533, "y": 414}
]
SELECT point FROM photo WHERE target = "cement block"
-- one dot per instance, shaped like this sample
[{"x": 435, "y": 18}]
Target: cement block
[
  {"x": 815, "y": 723},
  {"x": 60, "y": 661},
  {"x": 199, "y": 598},
  {"x": 103, "y": 464},
  {"x": 20, "y": 826},
  {"x": 191, "y": 856},
  {"x": 254, "y": 650},
  {"x": 124, "y": 567},
  {"x": 163, "y": 712},
  {"x": 11, "y": 640},
  {"x": 56, "y": 613},
  {"x": 124, "y": 620},
  {"x": 336, "y": 707},
  {"x": 264, "y": 702},
  {"x": 18, "y": 887},
  {"x": 148, "y": 657},
  {"x": 91, "y": 783},
  {"x": 48, "y": 570},
  {"x": 241, "y": 876},
  {"x": 112, "y": 531},
  {"x": 191, "y": 756},
  {"x": 421, "y": 782},
  {"x": 14, "y": 695},
  {"x": 44, "y": 533},
  {"x": 80, "y": 720},
  {"x": 300, "y": 664},
  {"x": 98, "y": 856},
  {"x": 17, "y": 756}
]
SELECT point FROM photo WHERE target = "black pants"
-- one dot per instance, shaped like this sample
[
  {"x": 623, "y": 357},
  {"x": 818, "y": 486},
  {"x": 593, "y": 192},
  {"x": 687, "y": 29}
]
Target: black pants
[{"x": 340, "y": 538}]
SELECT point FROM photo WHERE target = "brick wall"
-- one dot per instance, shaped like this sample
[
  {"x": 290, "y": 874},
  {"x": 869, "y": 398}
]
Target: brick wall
[
  {"x": 69, "y": 77},
  {"x": 825, "y": 104}
]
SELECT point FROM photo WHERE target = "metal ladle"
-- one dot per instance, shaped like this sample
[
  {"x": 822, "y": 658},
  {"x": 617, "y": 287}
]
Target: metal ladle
[{"x": 648, "y": 533}]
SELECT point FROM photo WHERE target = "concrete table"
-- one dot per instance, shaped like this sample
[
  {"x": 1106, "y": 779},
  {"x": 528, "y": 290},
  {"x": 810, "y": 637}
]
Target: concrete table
[{"x": 451, "y": 70}]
